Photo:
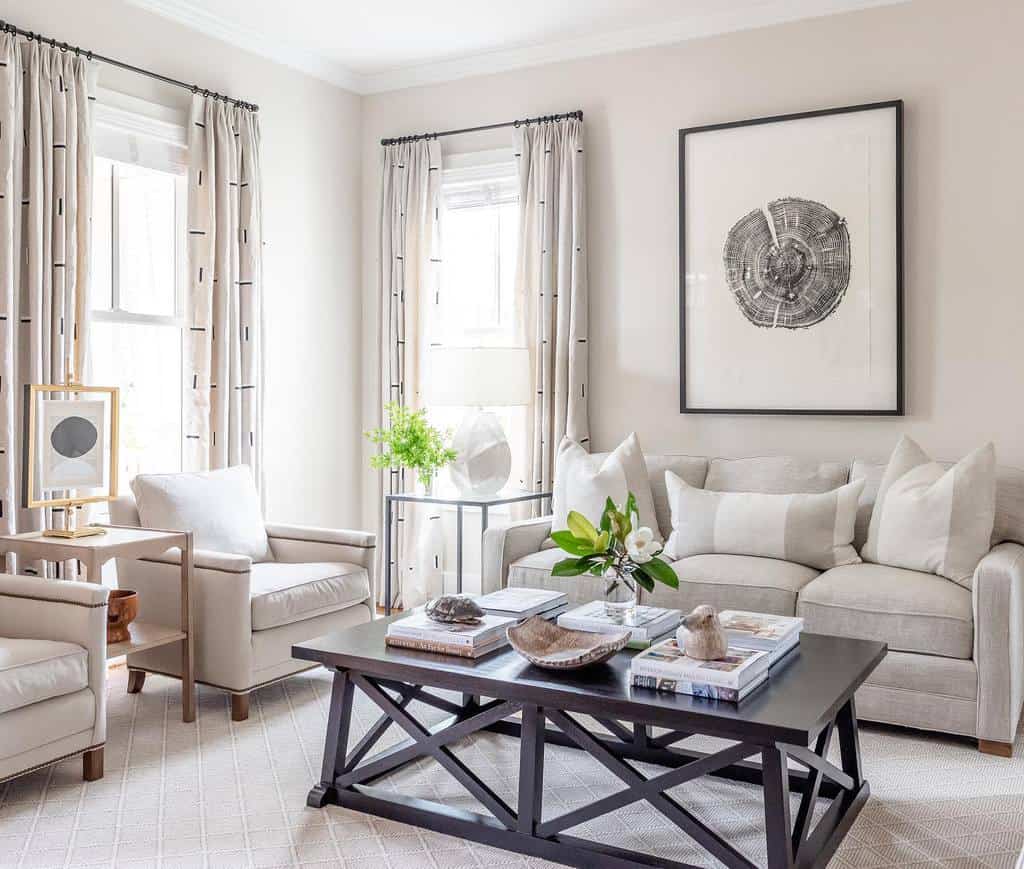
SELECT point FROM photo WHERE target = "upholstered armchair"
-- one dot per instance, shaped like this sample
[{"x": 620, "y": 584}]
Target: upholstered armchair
[
  {"x": 53, "y": 674},
  {"x": 247, "y": 611}
]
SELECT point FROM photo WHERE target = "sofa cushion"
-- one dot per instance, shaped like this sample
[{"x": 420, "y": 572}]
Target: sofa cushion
[
  {"x": 724, "y": 581},
  {"x": 284, "y": 593},
  {"x": 909, "y": 610},
  {"x": 692, "y": 469},
  {"x": 34, "y": 670},
  {"x": 932, "y": 519},
  {"x": 775, "y": 475},
  {"x": 221, "y": 508},
  {"x": 584, "y": 482},
  {"x": 812, "y": 529}
]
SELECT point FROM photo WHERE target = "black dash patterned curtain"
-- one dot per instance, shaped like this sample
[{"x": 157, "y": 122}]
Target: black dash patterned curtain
[
  {"x": 45, "y": 219},
  {"x": 551, "y": 283},
  {"x": 223, "y": 420},
  {"x": 408, "y": 297}
]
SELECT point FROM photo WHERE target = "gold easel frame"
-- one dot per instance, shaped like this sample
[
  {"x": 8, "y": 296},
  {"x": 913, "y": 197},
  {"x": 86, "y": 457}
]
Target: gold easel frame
[{"x": 34, "y": 394}]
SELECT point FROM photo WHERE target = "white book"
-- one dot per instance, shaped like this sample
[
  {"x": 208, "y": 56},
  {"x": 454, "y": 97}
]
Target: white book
[
  {"x": 748, "y": 630},
  {"x": 647, "y": 622},
  {"x": 667, "y": 660},
  {"x": 521, "y": 603},
  {"x": 783, "y": 649},
  {"x": 418, "y": 626},
  {"x": 697, "y": 689}
]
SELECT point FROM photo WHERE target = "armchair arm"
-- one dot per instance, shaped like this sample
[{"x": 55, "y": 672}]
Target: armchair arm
[
  {"x": 297, "y": 544},
  {"x": 504, "y": 544},
  {"x": 206, "y": 559},
  {"x": 70, "y": 612},
  {"x": 999, "y": 641}
]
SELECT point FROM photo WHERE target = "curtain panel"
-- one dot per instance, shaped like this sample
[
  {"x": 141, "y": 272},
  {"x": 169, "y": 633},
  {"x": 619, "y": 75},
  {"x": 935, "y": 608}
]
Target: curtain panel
[
  {"x": 408, "y": 297},
  {"x": 45, "y": 220},
  {"x": 223, "y": 419},
  {"x": 551, "y": 286}
]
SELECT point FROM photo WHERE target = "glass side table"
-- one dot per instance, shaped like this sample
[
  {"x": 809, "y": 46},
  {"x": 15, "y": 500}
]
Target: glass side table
[{"x": 484, "y": 502}]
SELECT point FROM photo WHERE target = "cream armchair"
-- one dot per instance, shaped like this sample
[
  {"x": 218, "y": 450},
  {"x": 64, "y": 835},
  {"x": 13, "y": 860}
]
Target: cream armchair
[
  {"x": 53, "y": 674},
  {"x": 247, "y": 614}
]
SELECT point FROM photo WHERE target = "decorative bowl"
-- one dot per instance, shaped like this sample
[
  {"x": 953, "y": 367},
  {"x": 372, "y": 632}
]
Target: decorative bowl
[
  {"x": 547, "y": 645},
  {"x": 122, "y": 608}
]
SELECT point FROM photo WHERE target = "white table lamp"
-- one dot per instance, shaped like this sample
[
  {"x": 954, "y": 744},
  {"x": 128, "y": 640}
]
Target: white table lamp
[{"x": 475, "y": 378}]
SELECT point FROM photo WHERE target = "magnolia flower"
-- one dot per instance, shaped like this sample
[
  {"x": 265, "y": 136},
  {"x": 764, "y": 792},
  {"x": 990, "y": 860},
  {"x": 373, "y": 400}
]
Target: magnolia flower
[{"x": 640, "y": 545}]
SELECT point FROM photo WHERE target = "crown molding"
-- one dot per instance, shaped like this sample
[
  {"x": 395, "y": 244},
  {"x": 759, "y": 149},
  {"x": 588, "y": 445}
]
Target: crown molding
[
  {"x": 191, "y": 15},
  {"x": 755, "y": 16}
]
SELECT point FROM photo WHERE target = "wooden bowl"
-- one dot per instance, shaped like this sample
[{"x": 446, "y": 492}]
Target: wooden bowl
[
  {"x": 122, "y": 609},
  {"x": 547, "y": 645}
]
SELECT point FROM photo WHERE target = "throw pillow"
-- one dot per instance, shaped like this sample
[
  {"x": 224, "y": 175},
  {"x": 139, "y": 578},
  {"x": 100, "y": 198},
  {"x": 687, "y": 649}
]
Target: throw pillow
[
  {"x": 933, "y": 519},
  {"x": 583, "y": 483},
  {"x": 221, "y": 508},
  {"x": 811, "y": 529}
]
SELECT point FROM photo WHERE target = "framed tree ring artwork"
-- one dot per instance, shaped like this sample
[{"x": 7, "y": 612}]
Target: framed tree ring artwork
[{"x": 791, "y": 264}]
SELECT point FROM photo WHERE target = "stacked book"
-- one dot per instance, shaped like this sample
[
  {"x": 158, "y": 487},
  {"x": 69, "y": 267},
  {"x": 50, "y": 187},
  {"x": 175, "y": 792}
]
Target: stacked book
[
  {"x": 522, "y": 603},
  {"x": 776, "y": 635},
  {"x": 649, "y": 624},
  {"x": 666, "y": 667},
  {"x": 417, "y": 631}
]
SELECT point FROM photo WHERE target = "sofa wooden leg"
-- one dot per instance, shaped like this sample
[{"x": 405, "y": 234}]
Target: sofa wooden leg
[
  {"x": 136, "y": 679},
  {"x": 239, "y": 707},
  {"x": 92, "y": 764},
  {"x": 999, "y": 749}
]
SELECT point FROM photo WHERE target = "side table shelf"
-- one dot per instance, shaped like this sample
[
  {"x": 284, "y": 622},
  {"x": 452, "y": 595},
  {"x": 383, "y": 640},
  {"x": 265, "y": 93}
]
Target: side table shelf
[{"x": 145, "y": 635}]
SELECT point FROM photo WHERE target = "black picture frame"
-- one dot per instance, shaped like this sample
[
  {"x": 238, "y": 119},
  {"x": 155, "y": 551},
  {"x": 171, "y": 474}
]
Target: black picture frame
[{"x": 900, "y": 408}]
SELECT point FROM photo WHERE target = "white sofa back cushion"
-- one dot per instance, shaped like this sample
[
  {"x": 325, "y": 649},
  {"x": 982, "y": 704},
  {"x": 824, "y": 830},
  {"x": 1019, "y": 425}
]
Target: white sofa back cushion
[
  {"x": 811, "y": 529},
  {"x": 221, "y": 508},
  {"x": 933, "y": 519},
  {"x": 584, "y": 482}
]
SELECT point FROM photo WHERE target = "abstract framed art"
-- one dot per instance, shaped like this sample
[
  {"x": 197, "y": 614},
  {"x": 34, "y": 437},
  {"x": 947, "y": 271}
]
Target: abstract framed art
[{"x": 791, "y": 264}]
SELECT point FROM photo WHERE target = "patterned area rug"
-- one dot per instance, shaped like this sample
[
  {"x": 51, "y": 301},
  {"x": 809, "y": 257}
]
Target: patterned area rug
[{"x": 219, "y": 794}]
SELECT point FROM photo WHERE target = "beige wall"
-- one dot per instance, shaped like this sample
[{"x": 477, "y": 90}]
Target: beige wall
[
  {"x": 959, "y": 68},
  {"x": 311, "y": 164}
]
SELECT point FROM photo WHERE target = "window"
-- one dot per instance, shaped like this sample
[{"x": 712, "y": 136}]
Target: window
[
  {"x": 138, "y": 279},
  {"x": 479, "y": 244}
]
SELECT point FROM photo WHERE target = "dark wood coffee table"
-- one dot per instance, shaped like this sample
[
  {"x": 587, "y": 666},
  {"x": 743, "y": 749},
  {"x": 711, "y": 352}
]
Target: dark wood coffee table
[{"x": 807, "y": 701}]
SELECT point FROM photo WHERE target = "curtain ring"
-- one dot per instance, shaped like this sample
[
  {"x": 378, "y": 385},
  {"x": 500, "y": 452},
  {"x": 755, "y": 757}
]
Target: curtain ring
[{"x": 63, "y": 47}]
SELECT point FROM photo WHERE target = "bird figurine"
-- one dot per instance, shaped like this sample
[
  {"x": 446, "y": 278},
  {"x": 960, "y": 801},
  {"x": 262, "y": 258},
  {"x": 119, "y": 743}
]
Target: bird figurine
[{"x": 701, "y": 635}]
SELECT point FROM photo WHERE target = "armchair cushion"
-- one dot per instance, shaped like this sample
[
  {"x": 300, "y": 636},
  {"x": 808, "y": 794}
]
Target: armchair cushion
[
  {"x": 34, "y": 670},
  {"x": 221, "y": 508},
  {"x": 283, "y": 593}
]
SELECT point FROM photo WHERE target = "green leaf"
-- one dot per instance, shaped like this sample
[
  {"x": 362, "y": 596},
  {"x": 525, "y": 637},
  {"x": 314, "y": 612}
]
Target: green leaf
[
  {"x": 581, "y": 526},
  {"x": 643, "y": 580},
  {"x": 598, "y": 569},
  {"x": 568, "y": 567},
  {"x": 571, "y": 543},
  {"x": 606, "y": 515},
  {"x": 629, "y": 510},
  {"x": 602, "y": 542},
  {"x": 659, "y": 570}
]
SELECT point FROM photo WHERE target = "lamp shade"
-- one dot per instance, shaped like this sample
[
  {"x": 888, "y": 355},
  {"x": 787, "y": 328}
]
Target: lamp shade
[{"x": 478, "y": 376}]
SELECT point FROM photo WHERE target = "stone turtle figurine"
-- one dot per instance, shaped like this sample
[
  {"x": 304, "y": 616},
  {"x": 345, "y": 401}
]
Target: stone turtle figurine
[
  {"x": 454, "y": 609},
  {"x": 702, "y": 636}
]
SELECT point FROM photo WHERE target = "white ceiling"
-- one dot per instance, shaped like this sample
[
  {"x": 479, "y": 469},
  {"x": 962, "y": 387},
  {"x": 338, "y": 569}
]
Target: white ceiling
[{"x": 376, "y": 45}]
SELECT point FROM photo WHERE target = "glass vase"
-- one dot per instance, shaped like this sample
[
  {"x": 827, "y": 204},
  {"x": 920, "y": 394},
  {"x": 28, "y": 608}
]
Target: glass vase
[{"x": 620, "y": 596}]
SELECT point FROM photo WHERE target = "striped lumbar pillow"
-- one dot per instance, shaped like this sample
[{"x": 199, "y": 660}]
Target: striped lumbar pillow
[
  {"x": 931, "y": 518},
  {"x": 816, "y": 530}
]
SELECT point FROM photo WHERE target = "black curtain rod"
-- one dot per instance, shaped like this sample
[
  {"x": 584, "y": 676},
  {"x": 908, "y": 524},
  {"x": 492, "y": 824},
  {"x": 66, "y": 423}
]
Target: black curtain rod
[
  {"x": 63, "y": 46},
  {"x": 578, "y": 115}
]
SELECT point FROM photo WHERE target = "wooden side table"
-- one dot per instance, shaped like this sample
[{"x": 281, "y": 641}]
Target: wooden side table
[{"x": 125, "y": 542}]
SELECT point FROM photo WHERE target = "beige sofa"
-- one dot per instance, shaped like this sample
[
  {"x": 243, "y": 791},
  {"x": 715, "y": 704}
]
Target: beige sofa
[
  {"x": 956, "y": 655},
  {"x": 53, "y": 674},
  {"x": 246, "y": 614}
]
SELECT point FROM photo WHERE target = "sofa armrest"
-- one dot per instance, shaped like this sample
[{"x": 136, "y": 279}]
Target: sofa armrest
[
  {"x": 311, "y": 534},
  {"x": 999, "y": 641},
  {"x": 206, "y": 559},
  {"x": 504, "y": 544},
  {"x": 69, "y": 612}
]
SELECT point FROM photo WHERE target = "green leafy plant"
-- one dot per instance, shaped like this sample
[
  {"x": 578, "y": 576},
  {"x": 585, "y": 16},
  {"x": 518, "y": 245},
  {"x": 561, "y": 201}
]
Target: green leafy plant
[
  {"x": 618, "y": 547},
  {"x": 410, "y": 442}
]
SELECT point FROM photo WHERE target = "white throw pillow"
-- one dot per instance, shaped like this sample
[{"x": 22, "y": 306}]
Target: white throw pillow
[
  {"x": 933, "y": 519},
  {"x": 811, "y": 529},
  {"x": 221, "y": 508},
  {"x": 583, "y": 483}
]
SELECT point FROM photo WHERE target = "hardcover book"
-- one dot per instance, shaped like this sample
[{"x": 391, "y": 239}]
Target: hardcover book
[
  {"x": 521, "y": 603},
  {"x": 442, "y": 648},
  {"x": 749, "y": 630},
  {"x": 696, "y": 689},
  {"x": 648, "y": 622},
  {"x": 739, "y": 668},
  {"x": 420, "y": 627}
]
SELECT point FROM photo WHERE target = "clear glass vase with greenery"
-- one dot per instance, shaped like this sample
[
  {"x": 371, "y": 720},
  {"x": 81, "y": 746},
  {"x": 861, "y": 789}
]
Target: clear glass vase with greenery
[{"x": 411, "y": 442}]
